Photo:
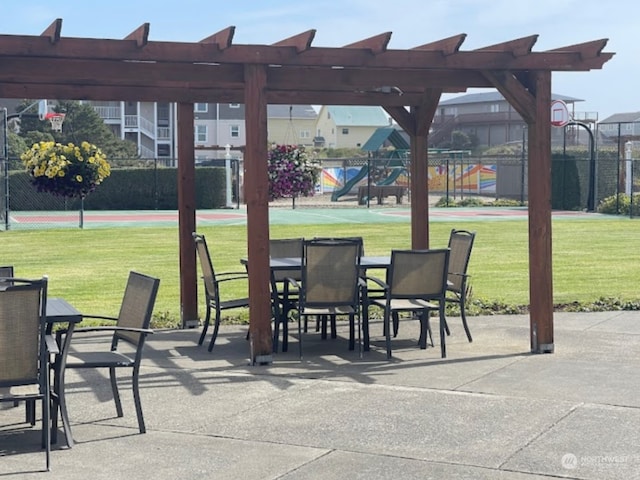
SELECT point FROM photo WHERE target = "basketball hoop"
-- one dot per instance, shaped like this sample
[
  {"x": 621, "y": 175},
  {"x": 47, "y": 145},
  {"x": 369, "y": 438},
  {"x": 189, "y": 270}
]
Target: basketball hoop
[{"x": 56, "y": 120}]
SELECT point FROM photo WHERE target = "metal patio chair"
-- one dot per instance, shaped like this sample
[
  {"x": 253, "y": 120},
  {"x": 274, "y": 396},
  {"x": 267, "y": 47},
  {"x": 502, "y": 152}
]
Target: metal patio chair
[
  {"x": 212, "y": 282},
  {"x": 460, "y": 244},
  {"x": 25, "y": 350},
  {"x": 416, "y": 282},
  {"x": 283, "y": 297},
  {"x": 330, "y": 283},
  {"x": 131, "y": 329}
]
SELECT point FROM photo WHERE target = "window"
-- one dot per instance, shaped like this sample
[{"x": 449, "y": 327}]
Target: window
[
  {"x": 164, "y": 150},
  {"x": 234, "y": 105},
  {"x": 494, "y": 107},
  {"x": 345, "y": 131},
  {"x": 201, "y": 107},
  {"x": 201, "y": 134},
  {"x": 235, "y": 131},
  {"x": 304, "y": 134}
]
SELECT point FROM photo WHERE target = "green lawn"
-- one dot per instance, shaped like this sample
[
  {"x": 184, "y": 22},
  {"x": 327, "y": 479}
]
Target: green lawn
[{"x": 591, "y": 258}]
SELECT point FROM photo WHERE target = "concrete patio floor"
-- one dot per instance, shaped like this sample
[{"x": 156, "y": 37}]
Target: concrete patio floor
[{"x": 491, "y": 410}]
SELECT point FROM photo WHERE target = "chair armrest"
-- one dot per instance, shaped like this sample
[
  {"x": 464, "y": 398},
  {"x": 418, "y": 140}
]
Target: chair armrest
[
  {"x": 225, "y": 274},
  {"x": 52, "y": 345},
  {"x": 113, "y": 328},
  {"x": 377, "y": 281},
  {"x": 227, "y": 278},
  {"x": 293, "y": 282},
  {"x": 100, "y": 317}
]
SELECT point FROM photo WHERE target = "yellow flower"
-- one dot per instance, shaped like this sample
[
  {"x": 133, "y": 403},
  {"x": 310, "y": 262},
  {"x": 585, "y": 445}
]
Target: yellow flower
[{"x": 79, "y": 178}]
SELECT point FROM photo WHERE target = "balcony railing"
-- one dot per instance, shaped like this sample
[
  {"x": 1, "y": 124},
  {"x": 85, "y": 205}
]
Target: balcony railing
[{"x": 108, "y": 113}]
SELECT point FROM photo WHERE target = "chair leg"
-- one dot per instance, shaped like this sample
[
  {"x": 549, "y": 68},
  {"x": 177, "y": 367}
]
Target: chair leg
[
  {"x": 443, "y": 322},
  {"x": 46, "y": 428},
  {"x": 216, "y": 327},
  {"x": 114, "y": 389},
  {"x": 387, "y": 329},
  {"x": 352, "y": 330},
  {"x": 136, "y": 398},
  {"x": 205, "y": 326},
  {"x": 464, "y": 317},
  {"x": 300, "y": 334},
  {"x": 396, "y": 323},
  {"x": 365, "y": 325},
  {"x": 424, "y": 329},
  {"x": 334, "y": 333}
]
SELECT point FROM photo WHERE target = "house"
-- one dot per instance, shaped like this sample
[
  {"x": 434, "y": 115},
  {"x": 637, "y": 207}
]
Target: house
[
  {"x": 291, "y": 124},
  {"x": 620, "y": 124},
  {"x": 490, "y": 118},
  {"x": 347, "y": 126}
]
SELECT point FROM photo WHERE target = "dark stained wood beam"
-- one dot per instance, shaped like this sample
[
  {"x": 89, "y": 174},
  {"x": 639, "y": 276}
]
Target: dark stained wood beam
[
  {"x": 515, "y": 93},
  {"x": 140, "y": 35},
  {"x": 539, "y": 207},
  {"x": 446, "y": 46},
  {"x": 301, "y": 42},
  {"x": 376, "y": 44},
  {"x": 187, "y": 215},
  {"x": 518, "y": 47},
  {"x": 70, "y": 48},
  {"x": 587, "y": 50},
  {"x": 223, "y": 39},
  {"x": 53, "y": 31},
  {"x": 403, "y": 118},
  {"x": 257, "y": 200}
]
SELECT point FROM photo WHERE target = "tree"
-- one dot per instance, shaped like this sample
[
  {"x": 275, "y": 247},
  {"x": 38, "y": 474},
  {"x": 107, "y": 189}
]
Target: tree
[{"x": 81, "y": 123}]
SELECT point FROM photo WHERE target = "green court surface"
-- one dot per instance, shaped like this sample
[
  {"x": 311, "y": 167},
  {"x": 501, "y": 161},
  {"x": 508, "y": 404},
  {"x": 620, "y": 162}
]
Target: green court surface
[{"x": 277, "y": 216}]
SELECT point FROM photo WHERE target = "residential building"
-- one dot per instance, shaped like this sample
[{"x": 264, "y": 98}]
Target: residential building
[
  {"x": 291, "y": 124},
  {"x": 491, "y": 119},
  {"x": 620, "y": 124},
  {"x": 150, "y": 125},
  {"x": 347, "y": 126}
]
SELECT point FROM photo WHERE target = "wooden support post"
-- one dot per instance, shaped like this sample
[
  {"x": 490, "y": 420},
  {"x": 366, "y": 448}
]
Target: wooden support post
[
  {"x": 187, "y": 216},
  {"x": 539, "y": 186},
  {"x": 256, "y": 180},
  {"x": 419, "y": 193}
]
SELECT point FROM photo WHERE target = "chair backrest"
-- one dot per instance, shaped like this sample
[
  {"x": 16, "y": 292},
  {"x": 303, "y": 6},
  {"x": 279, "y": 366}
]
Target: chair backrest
[
  {"x": 22, "y": 329},
  {"x": 208, "y": 273},
  {"x": 460, "y": 244},
  {"x": 137, "y": 306},
  {"x": 330, "y": 271},
  {"x": 285, "y": 248},
  {"x": 418, "y": 273}
]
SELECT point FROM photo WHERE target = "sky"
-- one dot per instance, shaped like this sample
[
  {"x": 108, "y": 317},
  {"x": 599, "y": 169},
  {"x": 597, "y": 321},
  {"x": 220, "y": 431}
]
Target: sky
[{"x": 558, "y": 23}]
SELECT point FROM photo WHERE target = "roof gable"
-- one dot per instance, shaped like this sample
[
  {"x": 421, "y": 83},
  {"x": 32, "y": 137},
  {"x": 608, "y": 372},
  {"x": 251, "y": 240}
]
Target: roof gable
[{"x": 306, "y": 112}]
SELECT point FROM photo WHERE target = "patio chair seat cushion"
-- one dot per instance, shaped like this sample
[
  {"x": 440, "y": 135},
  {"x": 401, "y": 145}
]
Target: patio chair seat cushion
[
  {"x": 31, "y": 390},
  {"x": 332, "y": 310},
  {"x": 406, "y": 304}
]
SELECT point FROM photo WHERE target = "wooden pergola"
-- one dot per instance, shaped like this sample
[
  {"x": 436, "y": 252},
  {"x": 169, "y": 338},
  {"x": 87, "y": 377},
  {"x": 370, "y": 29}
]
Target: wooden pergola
[{"x": 408, "y": 84}]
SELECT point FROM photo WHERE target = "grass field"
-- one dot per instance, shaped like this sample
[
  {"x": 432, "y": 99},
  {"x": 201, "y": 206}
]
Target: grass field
[{"x": 591, "y": 259}]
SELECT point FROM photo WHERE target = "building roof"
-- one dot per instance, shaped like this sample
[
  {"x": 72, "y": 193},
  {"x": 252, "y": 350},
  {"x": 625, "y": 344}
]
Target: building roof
[
  {"x": 292, "y": 111},
  {"x": 367, "y": 116},
  {"x": 385, "y": 134},
  {"x": 495, "y": 96},
  {"x": 629, "y": 117}
]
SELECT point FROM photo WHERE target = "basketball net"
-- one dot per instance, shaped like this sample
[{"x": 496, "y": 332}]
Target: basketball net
[{"x": 56, "y": 120}]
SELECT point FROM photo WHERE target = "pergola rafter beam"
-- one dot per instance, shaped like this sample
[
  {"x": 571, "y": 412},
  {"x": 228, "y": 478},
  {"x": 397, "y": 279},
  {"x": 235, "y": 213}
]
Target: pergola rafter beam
[
  {"x": 376, "y": 45},
  {"x": 53, "y": 31},
  {"x": 140, "y": 35},
  {"x": 301, "y": 42},
  {"x": 223, "y": 39},
  {"x": 518, "y": 47},
  {"x": 446, "y": 46}
]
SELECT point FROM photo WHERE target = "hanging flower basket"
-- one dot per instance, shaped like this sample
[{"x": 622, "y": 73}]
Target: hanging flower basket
[
  {"x": 66, "y": 170},
  {"x": 291, "y": 173}
]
